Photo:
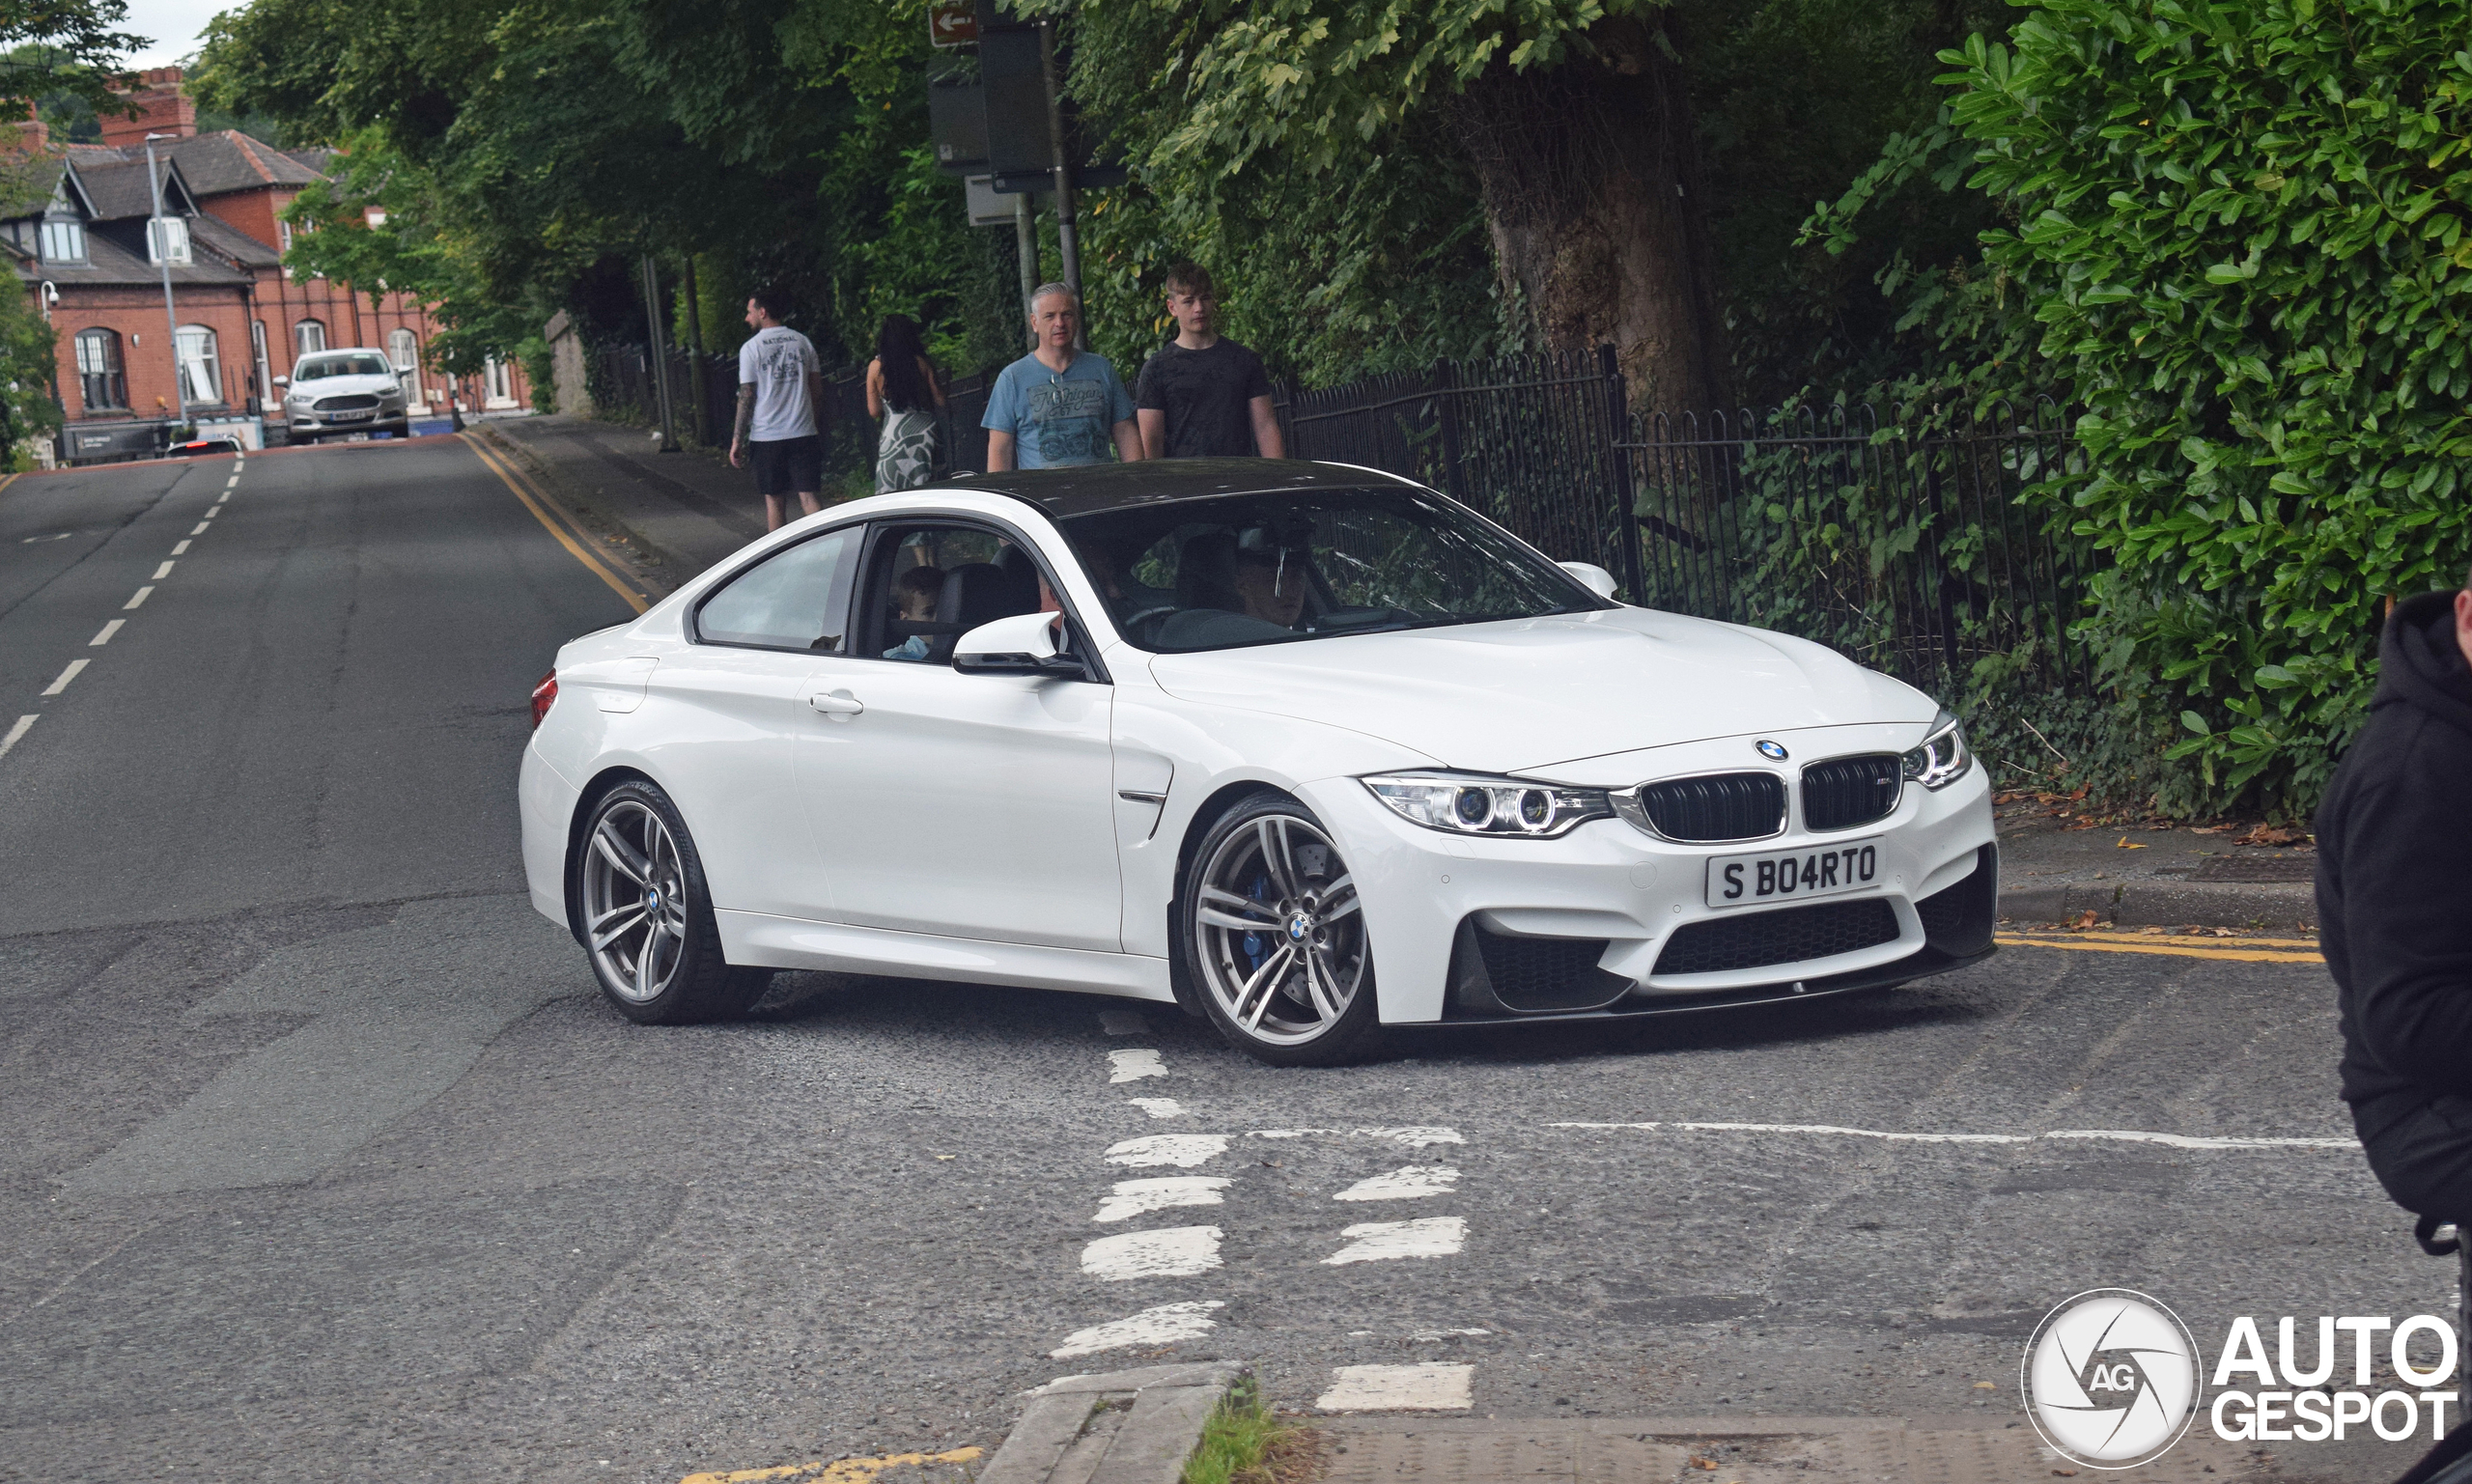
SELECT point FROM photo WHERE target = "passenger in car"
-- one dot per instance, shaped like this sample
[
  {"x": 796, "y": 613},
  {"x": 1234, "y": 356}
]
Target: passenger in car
[
  {"x": 1271, "y": 581},
  {"x": 914, "y": 594}
]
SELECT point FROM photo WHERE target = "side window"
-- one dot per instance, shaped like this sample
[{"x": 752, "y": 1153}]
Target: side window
[
  {"x": 796, "y": 599},
  {"x": 929, "y": 585}
]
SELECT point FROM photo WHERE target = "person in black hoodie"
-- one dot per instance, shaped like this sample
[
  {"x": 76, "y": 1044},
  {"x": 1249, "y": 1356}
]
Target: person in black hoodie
[
  {"x": 2395, "y": 910},
  {"x": 2395, "y": 922}
]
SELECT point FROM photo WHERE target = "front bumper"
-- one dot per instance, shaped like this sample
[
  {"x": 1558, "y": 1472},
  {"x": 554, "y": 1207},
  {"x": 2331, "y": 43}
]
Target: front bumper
[{"x": 1477, "y": 929}]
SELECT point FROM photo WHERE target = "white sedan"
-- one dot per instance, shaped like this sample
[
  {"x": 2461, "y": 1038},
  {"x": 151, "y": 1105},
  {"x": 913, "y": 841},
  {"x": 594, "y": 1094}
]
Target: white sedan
[{"x": 1306, "y": 750}]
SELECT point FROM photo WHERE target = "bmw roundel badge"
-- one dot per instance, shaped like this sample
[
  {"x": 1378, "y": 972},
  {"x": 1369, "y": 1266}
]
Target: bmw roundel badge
[{"x": 1773, "y": 751}]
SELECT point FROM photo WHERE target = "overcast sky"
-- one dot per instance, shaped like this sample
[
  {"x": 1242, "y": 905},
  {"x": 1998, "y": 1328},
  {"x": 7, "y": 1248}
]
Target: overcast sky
[{"x": 173, "y": 26}]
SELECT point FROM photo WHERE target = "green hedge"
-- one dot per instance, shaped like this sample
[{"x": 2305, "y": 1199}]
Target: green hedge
[{"x": 2242, "y": 228}]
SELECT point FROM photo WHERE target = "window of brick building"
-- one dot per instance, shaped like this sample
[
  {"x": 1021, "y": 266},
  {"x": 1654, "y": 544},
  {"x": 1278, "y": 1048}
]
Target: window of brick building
[
  {"x": 98, "y": 373},
  {"x": 201, "y": 369},
  {"x": 308, "y": 338},
  {"x": 404, "y": 350},
  {"x": 63, "y": 241}
]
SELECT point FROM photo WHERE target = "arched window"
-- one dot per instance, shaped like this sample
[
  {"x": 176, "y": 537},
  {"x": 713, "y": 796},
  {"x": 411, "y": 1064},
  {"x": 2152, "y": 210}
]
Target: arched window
[
  {"x": 308, "y": 338},
  {"x": 98, "y": 373},
  {"x": 201, "y": 369},
  {"x": 404, "y": 350}
]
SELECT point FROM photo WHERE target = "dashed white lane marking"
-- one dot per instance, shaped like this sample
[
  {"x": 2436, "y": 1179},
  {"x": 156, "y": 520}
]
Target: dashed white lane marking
[
  {"x": 162, "y": 572},
  {"x": 1432, "y": 1387},
  {"x": 143, "y": 594},
  {"x": 225, "y": 495},
  {"x": 1164, "y": 1324},
  {"x": 1408, "y": 1184},
  {"x": 1123, "y": 1022},
  {"x": 66, "y": 676},
  {"x": 1137, "y": 1197},
  {"x": 211, "y": 511},
  {"x": 1437, "y": 1236},
  {"x": 234, "y": 479},
  {"x": 24, "y": 725},
  {"x": 198, "y": 529},
  {"x": 1133, "y": 1066},
  {"x": 104, "y": 636},
  {"x": 1413, "y": 1138},
  {"x": 1182, "y": 1150},
  {"x": 1430, "y": 1335},
  {"x": 2123, "y": 1135},
  {"x": 183, "y": 549},
  {"x": 1168, "y": 1253},
  {"x": 1159, "y": 1107}
]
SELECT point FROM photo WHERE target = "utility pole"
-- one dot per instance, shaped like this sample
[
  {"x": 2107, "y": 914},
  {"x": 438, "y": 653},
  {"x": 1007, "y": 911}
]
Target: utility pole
[
  {"x": 1068, "y": 246},
  {"x": 1025, "y": 231},
  {"x": 162, "y": 243},
  {"x": 657, "y": 344}
]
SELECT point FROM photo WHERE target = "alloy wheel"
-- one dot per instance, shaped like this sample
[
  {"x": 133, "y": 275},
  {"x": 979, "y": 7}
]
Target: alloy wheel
[
  {"x": 634, "y": 902},
  {"x": 1279, "y": 930}
]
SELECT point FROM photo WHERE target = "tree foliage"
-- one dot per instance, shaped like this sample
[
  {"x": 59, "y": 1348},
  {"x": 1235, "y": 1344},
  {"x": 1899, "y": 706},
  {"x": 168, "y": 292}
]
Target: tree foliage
[{"x": 2242, "y": 227}]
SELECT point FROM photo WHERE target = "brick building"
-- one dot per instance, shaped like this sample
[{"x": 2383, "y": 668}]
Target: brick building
[{"x": 243, "y": 319}]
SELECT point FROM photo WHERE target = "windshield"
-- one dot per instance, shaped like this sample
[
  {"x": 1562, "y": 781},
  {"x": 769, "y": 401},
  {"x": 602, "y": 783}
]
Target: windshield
[
  {"x": 319, "y": 368},
  {"x": 1270, "y": 569}
]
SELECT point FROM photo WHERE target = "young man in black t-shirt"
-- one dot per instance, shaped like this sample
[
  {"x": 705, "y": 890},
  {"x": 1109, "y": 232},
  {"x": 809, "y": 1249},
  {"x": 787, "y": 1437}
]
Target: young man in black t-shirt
[{"x": 1201, "y": 396}]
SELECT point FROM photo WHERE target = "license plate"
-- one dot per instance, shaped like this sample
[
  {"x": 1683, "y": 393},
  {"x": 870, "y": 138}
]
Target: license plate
[{"x": 1790, "y": 875}]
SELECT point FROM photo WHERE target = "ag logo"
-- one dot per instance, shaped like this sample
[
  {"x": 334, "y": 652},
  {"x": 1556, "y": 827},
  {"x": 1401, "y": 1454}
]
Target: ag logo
[{"x": 2111, "y": 1379}]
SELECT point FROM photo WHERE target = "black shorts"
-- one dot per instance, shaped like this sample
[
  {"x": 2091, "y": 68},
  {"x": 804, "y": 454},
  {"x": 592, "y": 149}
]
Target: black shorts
[{"x": 789, "y": 465}]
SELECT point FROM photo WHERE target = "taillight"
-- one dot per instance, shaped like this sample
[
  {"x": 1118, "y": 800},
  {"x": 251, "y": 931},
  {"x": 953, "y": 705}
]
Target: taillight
[{"x": 542, "y": 694}]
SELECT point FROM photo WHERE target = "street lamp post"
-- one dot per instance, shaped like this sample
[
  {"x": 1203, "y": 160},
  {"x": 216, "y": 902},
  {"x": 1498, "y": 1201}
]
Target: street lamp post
[{"x": 162, "y": 243}]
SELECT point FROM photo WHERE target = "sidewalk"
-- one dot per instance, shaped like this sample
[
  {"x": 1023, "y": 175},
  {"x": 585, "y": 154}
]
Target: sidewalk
[{"x": 671, "y": 515}]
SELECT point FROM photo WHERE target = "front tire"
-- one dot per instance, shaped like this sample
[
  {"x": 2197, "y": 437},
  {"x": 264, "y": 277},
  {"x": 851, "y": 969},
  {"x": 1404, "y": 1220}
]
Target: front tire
[
  {"x": 1272, "y": 933},
  {"x": 646, "y": 915}
]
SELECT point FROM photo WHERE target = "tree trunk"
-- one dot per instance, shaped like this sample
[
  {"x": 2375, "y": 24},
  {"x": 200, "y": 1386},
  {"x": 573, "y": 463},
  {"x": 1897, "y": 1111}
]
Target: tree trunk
[{"x": 1591, "y": 180}]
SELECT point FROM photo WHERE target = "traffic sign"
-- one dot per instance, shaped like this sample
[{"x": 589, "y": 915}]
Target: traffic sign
[{"x": 952, "y": 23}]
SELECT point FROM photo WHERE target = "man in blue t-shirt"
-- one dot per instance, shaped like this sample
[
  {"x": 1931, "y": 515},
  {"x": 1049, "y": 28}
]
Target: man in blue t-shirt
[{"x": 1058, "y": 407}]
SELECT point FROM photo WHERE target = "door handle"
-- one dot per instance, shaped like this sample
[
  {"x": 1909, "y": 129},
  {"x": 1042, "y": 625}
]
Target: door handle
[{"x": 839, "y": 705}]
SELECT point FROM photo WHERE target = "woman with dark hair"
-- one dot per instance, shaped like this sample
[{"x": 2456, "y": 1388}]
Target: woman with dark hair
[{"x": 902, "y": 390}]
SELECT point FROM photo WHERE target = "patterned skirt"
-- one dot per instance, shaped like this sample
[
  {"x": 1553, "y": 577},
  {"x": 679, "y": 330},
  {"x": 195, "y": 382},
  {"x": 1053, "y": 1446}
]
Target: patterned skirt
[{"x": 906, "y": 453}]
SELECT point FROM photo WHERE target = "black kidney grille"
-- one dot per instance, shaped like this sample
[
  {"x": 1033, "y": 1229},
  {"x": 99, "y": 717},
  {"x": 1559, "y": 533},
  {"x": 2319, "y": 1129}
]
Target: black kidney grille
[
  {"x": 1843, "y": 792},
  {"x": 1719, "y": 807},
  {"x": 1793, "y": 935}
]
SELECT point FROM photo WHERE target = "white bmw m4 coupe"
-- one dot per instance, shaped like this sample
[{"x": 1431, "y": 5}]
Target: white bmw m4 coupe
[{"x": 1303, "y": 749}]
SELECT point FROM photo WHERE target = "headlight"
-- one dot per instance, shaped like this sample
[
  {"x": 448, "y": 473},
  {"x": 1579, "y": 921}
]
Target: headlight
[
  {"x": 1473, "y": 804},
  {"x": 1943, "y": 758}
]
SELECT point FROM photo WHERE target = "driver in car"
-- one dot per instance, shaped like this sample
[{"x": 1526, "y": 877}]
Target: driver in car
[{"x": 1271, "y": 575}]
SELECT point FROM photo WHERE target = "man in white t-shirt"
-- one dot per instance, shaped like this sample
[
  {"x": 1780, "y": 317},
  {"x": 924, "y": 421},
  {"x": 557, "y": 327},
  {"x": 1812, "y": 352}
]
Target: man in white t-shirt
[{"x": 780, "y": 391}]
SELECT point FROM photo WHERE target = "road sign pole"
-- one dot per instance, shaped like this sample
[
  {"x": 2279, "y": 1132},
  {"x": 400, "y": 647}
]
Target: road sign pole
[
  {"x": 1025, "y": 233},
  {"x": 1068, "y": 247}
]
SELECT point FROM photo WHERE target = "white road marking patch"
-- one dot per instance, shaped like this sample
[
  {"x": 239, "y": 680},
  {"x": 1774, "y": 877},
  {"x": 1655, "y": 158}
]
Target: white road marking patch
[
  {"x": 66, "y": 676},
  {"x": 2124, "y": 1135},
  {"x": 1437, "y": 1236},
  {"x": 162, "y": 572},
  {"x": 1430, "y": 1335},
  {"x": 1133, "y": 1066},
  {"x": 198, "y": 529},
  {"x": 1182, "y": 1150},
  {"x": 1137, "y": 1197},
  {"x": 24, "y": 725},
  {"x": 1170, "y": 1252},
  {"x": 1123, "y": 1022},
  {"x": 234, "y": 479},
  {"x": 211, "y": 511},
  {"x": 1413, "y": 1138},
  {"x": 1164, "y": 1324},
  {"x": 1159, "y": 1107},
  {"x": 182, "y": 549},
  {"x": 103, "y": 635},
  {"x": 1432, "y": 1387},
  {"x": 1407, "y": 1184},
  {"x": 143, "y": 594}
]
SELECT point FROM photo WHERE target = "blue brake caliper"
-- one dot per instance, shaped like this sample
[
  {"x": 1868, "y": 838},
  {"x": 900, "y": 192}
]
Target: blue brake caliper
[{"x": 1255, "y": 949}]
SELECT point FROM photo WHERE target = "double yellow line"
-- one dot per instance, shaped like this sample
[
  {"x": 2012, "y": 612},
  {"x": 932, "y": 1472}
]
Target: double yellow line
[
  {"x": 570, "y": 532},
  {"x": 2240, "y": 950}
]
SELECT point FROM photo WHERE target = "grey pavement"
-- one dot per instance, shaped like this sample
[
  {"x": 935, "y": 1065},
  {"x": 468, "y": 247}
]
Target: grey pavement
[{"x": 327, "y": 1162}]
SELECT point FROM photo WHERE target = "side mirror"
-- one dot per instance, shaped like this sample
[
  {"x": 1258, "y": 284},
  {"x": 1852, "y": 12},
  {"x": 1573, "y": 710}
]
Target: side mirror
[
  {"x": 283, "y": 381},
  {"x": 1596, "y": 579},
  {"x": 1023, "y": 644}
]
